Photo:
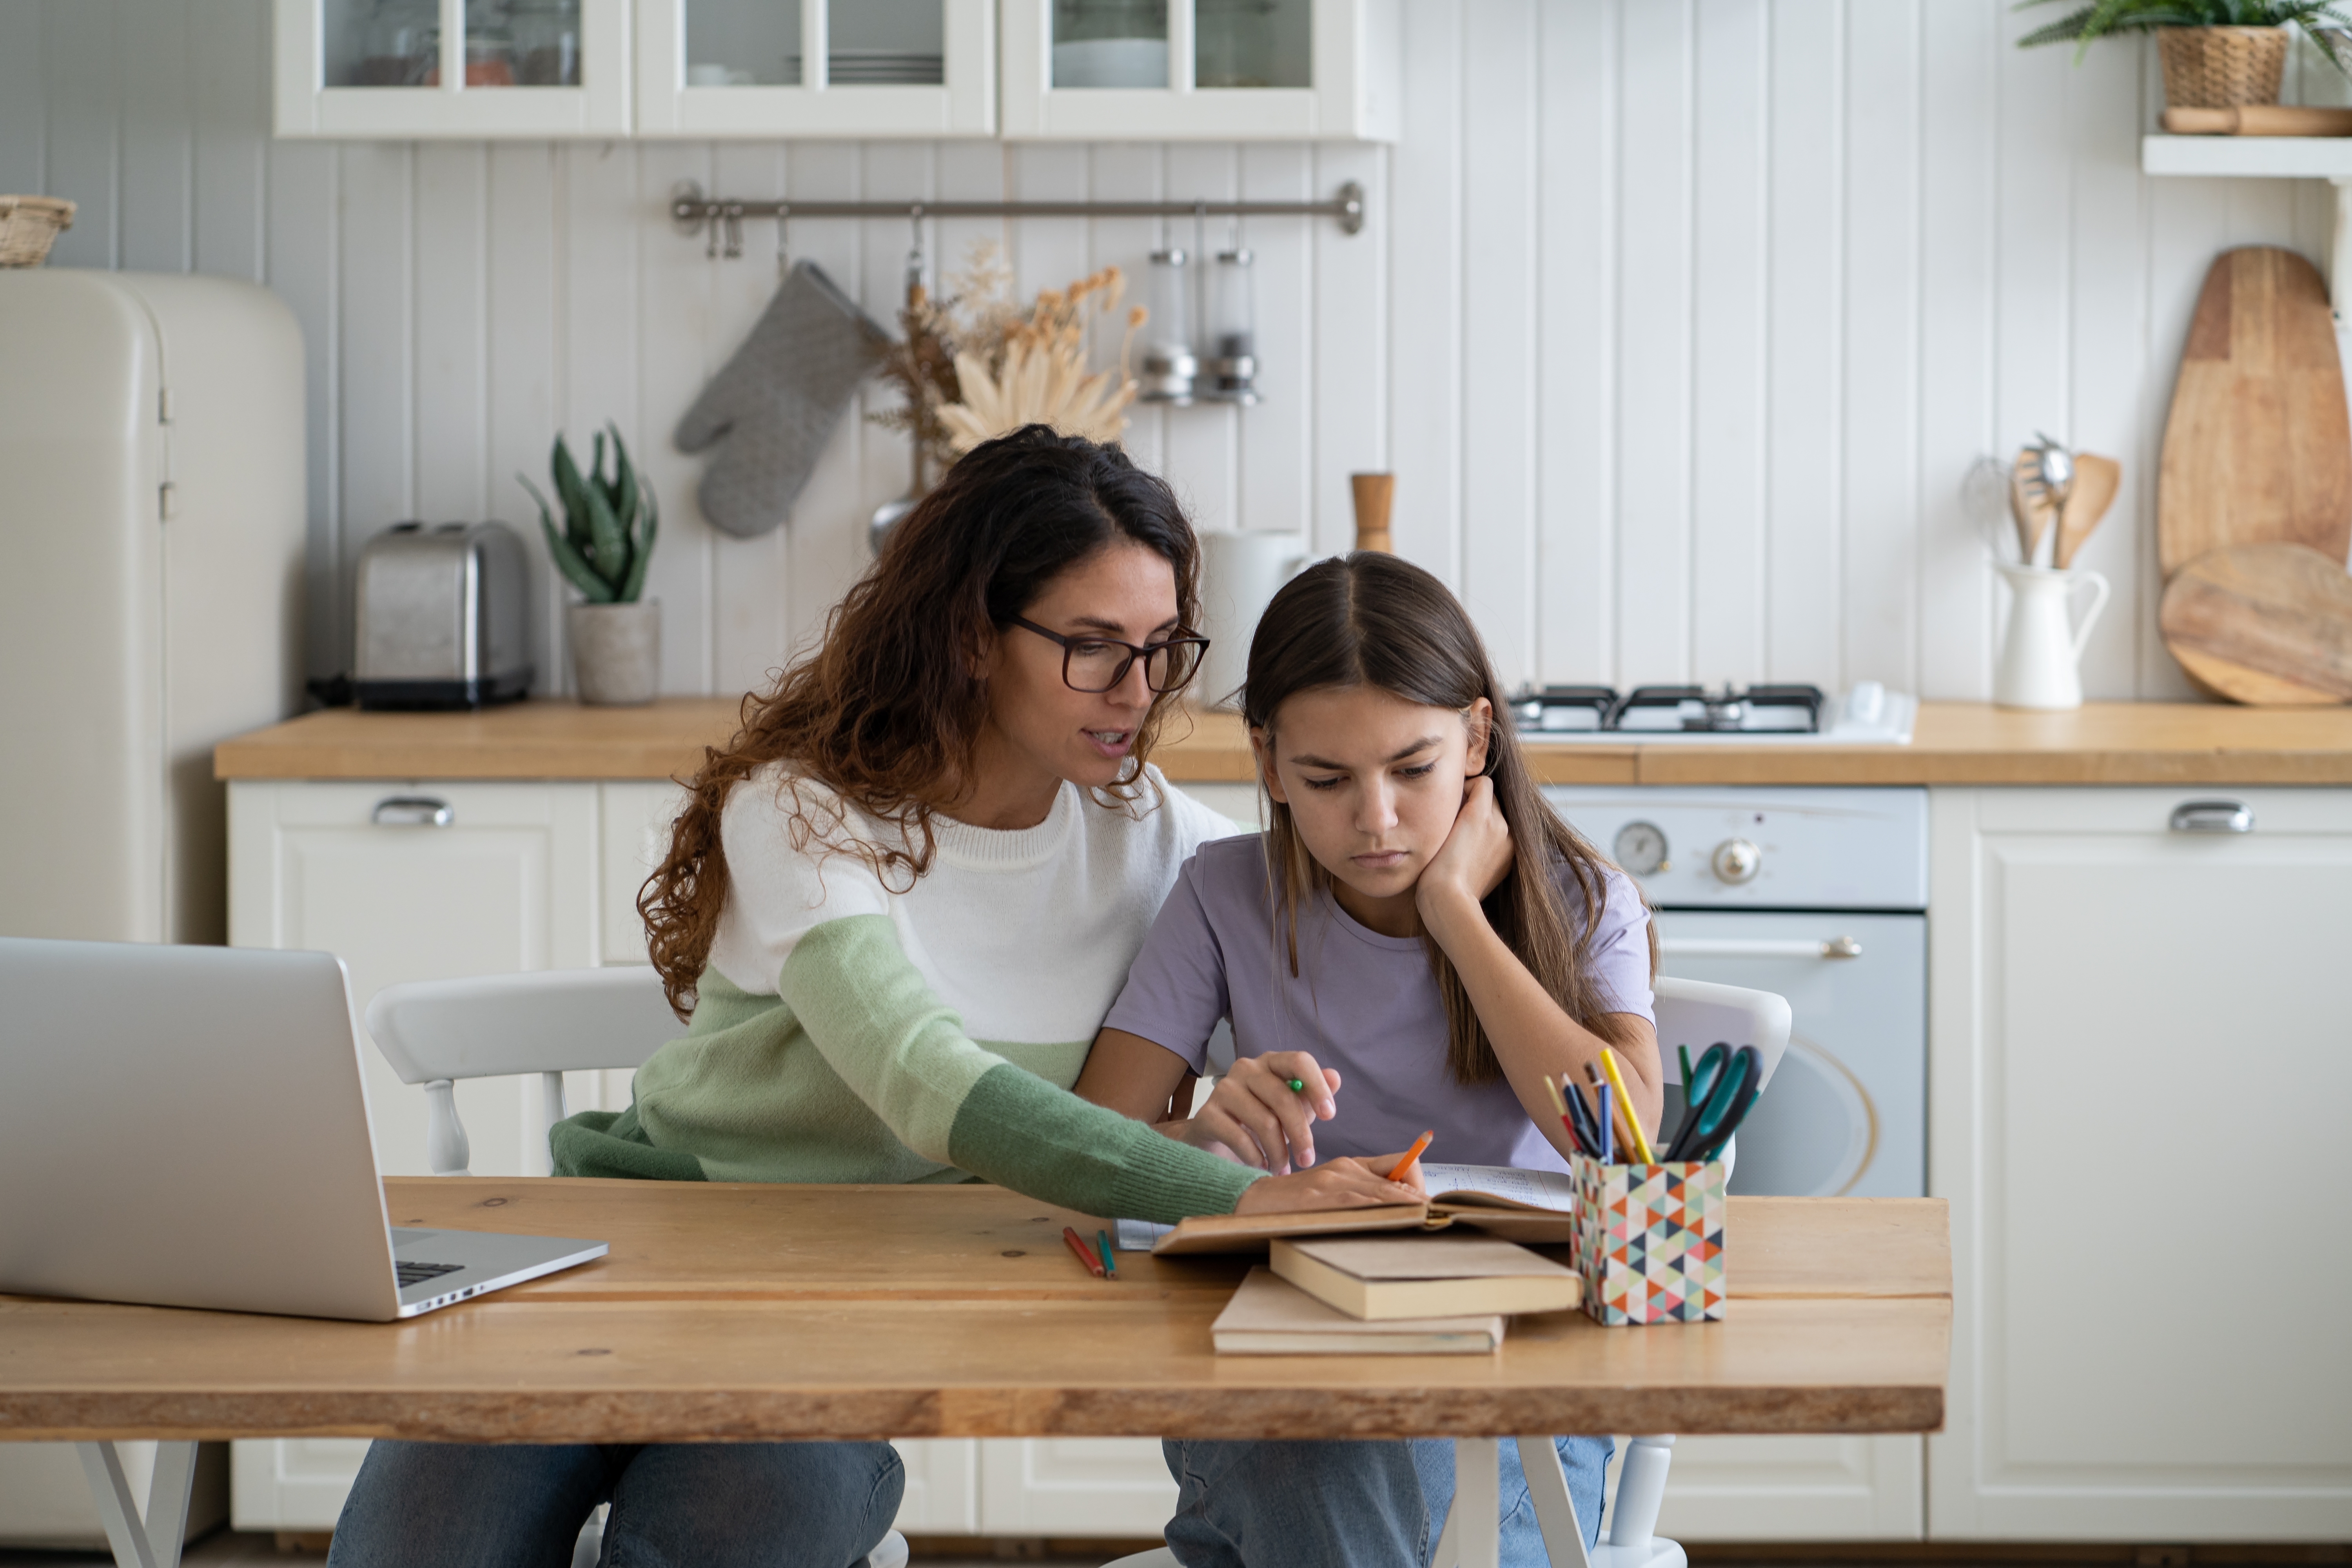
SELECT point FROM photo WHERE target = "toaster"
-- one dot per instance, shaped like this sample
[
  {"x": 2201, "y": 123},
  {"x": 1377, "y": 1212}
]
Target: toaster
[{"x": 443, "y": 616}]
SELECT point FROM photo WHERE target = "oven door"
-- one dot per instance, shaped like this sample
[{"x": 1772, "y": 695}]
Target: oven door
[{"x": 1846, "y": 1111}]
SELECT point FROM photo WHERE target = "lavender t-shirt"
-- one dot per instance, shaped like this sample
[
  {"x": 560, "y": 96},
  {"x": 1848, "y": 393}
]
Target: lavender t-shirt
[{"x": 1362, "y": 1003}]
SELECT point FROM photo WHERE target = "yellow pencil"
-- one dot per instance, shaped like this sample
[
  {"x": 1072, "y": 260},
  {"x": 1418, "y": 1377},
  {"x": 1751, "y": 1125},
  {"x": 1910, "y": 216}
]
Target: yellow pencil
[
  {"x": 1553, "y": 1089},
  {"x": 1625, "y": 1104}
]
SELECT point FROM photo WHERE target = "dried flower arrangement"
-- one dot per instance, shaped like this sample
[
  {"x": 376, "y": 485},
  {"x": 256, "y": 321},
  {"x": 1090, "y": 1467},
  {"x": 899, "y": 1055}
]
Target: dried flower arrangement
[{"x": 973, "y": 364}]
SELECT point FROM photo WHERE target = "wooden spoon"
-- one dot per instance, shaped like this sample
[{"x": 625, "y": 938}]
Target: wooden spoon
[
  {"x": 2269, "y": 624},
  {"x": 2093, "y": 490}
]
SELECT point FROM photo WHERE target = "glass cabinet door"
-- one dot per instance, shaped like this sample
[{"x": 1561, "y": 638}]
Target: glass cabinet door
[
  {"x": 1221, "y": 69},
  {"x": 783, "y": 67},
  {"x": 452, "y": 67}
]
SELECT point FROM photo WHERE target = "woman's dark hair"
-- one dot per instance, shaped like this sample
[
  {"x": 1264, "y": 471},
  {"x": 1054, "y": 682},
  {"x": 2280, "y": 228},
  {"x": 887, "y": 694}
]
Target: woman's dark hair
[
  {"x": 1373, "y": 619},
  {"x": 887, "y": 711}
]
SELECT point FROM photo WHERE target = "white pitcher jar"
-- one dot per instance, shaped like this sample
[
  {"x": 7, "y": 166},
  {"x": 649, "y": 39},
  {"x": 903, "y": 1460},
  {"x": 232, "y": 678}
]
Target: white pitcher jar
[
  {"x": 2041, "y": 656},
  {"x": 1240, "y": 573}
]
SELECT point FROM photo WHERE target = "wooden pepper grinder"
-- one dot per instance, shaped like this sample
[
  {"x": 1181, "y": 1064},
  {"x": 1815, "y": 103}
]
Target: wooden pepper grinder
[{"x": 1373, "y": 494}]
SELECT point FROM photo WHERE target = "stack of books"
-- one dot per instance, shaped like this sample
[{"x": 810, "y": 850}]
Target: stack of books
[{"x": 1410, "y": 1294}]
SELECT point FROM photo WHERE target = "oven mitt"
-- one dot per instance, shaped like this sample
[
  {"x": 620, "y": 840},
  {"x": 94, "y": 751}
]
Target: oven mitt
[{"x": 771, "y": 411}]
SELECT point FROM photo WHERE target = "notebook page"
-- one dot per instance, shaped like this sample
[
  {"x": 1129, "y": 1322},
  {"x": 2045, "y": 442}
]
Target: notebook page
[{"x": 1539, "y": 1189}]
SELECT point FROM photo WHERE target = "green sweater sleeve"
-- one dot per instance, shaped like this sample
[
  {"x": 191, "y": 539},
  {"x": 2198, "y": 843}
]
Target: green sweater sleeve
[{"x": 870, "y": 1015}]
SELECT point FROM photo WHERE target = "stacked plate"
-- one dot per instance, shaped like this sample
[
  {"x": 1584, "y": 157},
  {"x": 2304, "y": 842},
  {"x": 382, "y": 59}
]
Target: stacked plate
[{"x": 885, "y": 68}]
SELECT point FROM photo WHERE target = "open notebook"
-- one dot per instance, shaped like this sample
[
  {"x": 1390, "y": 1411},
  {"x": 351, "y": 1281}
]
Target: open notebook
[{"x": 1536, "y": 1206}]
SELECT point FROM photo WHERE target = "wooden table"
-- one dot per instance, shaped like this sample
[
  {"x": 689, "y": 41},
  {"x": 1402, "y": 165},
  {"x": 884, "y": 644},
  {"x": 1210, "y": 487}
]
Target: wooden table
[{"x": 756, "y": 1311}]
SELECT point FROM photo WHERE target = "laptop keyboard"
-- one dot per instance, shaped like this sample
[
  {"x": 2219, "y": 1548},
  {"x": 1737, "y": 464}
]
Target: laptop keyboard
[{"x": 418, "y": 1273}]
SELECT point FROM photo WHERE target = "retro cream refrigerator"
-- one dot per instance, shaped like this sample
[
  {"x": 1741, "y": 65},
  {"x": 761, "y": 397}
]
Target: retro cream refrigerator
[{"x": 152, "y": 514}]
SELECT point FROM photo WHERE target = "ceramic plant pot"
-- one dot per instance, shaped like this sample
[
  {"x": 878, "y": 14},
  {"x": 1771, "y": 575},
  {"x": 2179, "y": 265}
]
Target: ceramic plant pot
[{"x": 616, "y": 652}]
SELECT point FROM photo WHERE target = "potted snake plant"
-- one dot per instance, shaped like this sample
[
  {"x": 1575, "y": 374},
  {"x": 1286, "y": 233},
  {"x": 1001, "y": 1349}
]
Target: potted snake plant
[
  {"x": 2216, "y": 54},
  {"x": 602, "y": 549}
]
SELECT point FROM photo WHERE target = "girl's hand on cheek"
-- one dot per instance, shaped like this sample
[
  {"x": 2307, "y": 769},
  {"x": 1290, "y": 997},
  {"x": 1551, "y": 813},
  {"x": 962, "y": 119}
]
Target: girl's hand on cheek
[
  {"x": 1256, "y": 1115},
  {"x": 1475, "y": 856}
]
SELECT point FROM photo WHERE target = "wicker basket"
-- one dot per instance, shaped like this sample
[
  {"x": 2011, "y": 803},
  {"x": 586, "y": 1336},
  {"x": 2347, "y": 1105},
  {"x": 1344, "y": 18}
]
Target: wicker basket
[
  {"x": 2221, "y": 67},
  {"x": 28, "y": 226}
]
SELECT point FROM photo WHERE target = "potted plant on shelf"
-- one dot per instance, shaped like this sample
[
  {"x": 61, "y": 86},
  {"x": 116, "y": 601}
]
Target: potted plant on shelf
[
  {"x": 606, "y": 541},
  {"x": 2217, "y": 54}
]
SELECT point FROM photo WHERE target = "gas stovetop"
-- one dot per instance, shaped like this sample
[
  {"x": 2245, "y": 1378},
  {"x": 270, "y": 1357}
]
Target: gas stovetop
[{"x": 1868, "y": 715}]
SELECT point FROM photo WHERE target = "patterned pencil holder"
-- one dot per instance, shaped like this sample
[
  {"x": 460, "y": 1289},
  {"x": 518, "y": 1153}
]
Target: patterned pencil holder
[{"x": 1649, "y": 1241}]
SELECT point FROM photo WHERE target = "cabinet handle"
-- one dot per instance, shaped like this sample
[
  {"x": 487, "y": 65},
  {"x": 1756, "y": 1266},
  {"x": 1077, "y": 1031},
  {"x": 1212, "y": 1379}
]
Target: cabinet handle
[
  {"x": 2212, "y": 816},
  {"x": 412, "y": 811},
  {"x": 1733, "y": 947}
]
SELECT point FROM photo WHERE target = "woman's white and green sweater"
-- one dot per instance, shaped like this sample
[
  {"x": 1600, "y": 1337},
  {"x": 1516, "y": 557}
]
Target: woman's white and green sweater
[{"x": 850, "y": 1030}]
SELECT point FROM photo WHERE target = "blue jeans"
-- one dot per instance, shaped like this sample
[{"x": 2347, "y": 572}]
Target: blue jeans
[
  {"x": 1352, "y": 1504},
  {"x": 675, "y": 1505}
]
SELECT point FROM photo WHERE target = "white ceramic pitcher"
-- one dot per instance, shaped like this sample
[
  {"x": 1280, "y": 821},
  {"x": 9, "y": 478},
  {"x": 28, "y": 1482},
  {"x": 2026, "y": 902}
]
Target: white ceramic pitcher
[
  {"x": 1239, "y": 573},
  {"x": 2040, "y": 657}
]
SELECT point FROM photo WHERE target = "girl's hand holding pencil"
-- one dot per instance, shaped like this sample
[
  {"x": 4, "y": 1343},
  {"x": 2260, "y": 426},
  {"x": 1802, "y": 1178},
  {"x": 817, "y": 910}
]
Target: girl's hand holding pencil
[{"x": 1263, "y": 1111}]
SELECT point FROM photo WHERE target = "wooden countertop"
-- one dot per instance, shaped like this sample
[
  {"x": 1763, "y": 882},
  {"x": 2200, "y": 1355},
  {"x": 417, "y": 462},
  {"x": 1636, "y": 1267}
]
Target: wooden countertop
[
  {"x": 1954, "y": 743},
  {"x": 770, "y": 1311}
]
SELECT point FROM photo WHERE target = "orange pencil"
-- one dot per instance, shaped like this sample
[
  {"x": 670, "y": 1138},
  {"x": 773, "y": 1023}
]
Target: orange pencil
[
  {"x": 1397, "y": 1170},
  {"x": 1086, "y": 1253}
]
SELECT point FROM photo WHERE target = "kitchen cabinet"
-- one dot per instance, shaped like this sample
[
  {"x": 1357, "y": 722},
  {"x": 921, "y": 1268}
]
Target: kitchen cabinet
[
  {"x": 1074, "y": 1486},
  {"x": 1222, "y": 70},
  {"x": 2139, "y": 1064},
  {"x": 635, "y": 834},
  {"x": 1792, "y": 1489},
  {"x": 452, "y": 68},
  {"x": 867, "y": 69}
]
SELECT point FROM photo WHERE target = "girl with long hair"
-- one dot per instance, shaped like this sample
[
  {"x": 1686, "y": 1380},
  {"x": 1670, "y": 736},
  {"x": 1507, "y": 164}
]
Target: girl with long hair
[
  {"x": 1417, "y": 941},
  {"x": 894, "y": 910}
]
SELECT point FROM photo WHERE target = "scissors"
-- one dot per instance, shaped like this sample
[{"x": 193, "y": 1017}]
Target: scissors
[{"x": 1718, "y": 1094}]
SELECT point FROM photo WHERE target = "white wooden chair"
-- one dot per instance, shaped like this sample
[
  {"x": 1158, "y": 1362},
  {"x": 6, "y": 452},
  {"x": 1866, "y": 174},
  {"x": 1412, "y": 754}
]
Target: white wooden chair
[
  {"x": 1696, "y": 1013},
  {"x": 550, "y": 1022}
]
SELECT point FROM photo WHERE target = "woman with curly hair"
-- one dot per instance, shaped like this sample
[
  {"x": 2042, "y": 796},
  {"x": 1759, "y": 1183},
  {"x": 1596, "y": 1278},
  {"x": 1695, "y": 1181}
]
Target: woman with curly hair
[{"x": 896, "y": 908}]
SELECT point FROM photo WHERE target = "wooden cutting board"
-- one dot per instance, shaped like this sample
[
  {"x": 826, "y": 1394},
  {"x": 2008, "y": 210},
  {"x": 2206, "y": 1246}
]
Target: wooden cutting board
[
  {"x": 2258, "y": 447},
  {"x": 2269, "y": 624}
]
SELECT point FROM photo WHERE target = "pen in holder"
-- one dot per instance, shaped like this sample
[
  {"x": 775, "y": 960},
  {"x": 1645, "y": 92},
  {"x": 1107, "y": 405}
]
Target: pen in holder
[{"x": 1649, "y": 1240}]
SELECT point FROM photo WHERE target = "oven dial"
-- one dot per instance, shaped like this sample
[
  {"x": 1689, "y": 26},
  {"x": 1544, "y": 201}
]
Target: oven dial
[
  {"x": 1641, "y": 849},
  {"x": 1737, "y": 860}
]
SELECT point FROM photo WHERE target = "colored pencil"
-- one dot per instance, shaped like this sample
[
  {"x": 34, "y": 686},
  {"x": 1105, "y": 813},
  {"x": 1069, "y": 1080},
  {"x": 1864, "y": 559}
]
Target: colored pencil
[
  {"x": 1613, "y": 1135},
  {"x": 1085, "y": 1253},
  {"x": 1553, "y": 1089},
  {"x": 1625, "y": 1103},
  {"x": 1110, "y": 1268},
  {"x": 1397, "y": 1172}
]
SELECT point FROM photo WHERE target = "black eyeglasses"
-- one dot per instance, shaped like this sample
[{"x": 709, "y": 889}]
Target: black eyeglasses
[{"x": 1099, "y": 664}]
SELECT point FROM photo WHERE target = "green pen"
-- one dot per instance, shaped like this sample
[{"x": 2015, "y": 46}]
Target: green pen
[{"x": 1684, "y": 1052}]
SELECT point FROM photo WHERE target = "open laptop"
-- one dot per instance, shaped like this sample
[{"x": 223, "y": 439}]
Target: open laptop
[{"x": 188, "y": 1127}]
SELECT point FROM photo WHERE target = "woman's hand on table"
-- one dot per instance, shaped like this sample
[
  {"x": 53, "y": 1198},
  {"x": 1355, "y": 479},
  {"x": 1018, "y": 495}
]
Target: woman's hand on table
[
  {"x": 1345, "y": 1183},
  {"x": 1256, "y": 1116}
]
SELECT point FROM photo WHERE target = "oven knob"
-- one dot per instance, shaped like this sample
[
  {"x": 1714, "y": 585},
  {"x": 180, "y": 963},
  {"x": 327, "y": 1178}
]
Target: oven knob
[{"x": 1737, "y": 860}]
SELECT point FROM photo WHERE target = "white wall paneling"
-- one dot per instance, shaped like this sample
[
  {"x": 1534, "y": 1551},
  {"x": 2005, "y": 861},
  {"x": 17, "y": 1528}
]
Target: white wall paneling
[{"x": 1679, "y": 321}]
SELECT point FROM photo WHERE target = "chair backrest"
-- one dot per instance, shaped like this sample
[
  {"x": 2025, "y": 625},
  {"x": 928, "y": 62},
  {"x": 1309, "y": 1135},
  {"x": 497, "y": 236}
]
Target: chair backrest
[
  {"x": 550, "y": 1022},
  {"x": 1698, "y": 1012}
]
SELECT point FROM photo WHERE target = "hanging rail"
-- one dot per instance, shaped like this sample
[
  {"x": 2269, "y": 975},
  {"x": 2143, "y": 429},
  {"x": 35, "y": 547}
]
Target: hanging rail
[{"x": 691, "y": 209}]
